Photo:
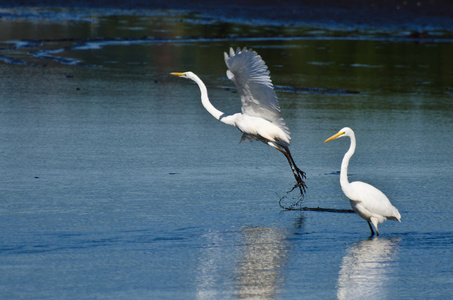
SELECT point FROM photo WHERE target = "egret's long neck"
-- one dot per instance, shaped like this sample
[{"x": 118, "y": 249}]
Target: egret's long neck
[
  {"x": 345, "y": 163},
  {"x": 207, "y": 104}
]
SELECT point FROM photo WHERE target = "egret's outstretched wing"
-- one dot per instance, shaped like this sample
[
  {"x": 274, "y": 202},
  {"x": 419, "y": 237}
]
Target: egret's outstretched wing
[{"x": 251, "y": 77}]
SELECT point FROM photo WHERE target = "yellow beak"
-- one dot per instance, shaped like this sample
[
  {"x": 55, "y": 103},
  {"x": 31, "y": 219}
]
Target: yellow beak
[
  {"x": 177, "y": 74},
  {"x": 334, "y": 136}
]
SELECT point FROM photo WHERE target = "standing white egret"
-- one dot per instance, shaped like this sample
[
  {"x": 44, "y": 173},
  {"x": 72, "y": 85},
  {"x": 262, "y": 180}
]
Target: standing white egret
[
  {"x": 260, "y": 118},
  {"x": 366, "y": 200}
]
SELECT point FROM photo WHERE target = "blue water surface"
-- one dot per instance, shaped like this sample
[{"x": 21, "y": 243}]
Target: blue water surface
[{"x": 117, "y": 184}]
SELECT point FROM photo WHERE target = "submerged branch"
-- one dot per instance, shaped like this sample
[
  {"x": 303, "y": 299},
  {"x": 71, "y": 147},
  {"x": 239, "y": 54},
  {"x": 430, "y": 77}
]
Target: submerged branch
[
  {"x": 334, "y": 210},
  {"x": 296, "y": 205}
]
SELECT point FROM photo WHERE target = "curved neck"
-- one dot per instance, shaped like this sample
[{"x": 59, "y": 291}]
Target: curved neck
[
  {"x": 345, "y": 163},
  {"x": 207, "y": 104}
]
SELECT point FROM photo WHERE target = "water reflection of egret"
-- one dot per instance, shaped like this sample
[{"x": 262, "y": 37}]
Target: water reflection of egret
[
  {"x": 260, "y": 269},
  {"x": 254, "y": 262},
  {"x": 365, "y": 269},
  {"x": 246, "y": 264},
  {"x": 217, "y": 258}
]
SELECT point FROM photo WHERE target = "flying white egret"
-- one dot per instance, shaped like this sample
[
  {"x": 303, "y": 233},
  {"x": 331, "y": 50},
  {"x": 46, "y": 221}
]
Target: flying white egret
[
  {"x": 260, "y": 118},
  {"x": 366, "y": 200}
]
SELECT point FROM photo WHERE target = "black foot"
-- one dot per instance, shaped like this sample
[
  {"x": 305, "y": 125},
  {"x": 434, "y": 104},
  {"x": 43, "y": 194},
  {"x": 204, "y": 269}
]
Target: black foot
[
  {"x": 301, "y": 173},
  {"x": 302, "y": 187}
]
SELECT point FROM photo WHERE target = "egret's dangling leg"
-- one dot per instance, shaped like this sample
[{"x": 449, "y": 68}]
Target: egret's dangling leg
[
  {"x": 299, "y": 175},
  {"x": 299, "y": 171}
]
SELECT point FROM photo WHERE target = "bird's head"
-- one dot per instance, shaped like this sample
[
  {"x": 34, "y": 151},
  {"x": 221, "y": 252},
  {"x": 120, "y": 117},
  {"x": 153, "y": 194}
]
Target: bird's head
[
  {"x": 187, "y": 75},
  {"x": 346, "y": 131}
]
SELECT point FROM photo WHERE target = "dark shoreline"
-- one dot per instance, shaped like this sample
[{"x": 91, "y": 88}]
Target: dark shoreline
[{"x": 420, "y": 16}]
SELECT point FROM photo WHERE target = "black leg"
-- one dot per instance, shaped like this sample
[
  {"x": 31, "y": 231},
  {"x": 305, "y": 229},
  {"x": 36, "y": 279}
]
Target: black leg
[
  {"x": 299, "y": 171},
  {"x": 371, "y": 228},
  {"x": 298, "y": 174}
]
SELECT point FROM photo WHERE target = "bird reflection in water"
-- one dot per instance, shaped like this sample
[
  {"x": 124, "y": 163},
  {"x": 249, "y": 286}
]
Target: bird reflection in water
[
  {"x": 245, "y": 264},
  {"x": 260, "y": 267},
  {"x": 214, "y": 260},
  {"x": 366, "y": 268}
]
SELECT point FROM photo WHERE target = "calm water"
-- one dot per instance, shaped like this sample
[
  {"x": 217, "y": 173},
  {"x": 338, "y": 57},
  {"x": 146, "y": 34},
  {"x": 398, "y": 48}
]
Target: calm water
[{"x": 117, "y": 184}]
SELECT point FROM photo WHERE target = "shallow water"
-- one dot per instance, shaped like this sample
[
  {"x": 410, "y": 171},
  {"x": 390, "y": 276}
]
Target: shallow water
[{"x": 118, "y": 184}]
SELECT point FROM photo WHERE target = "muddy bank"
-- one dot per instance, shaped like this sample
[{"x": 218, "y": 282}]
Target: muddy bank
[{"x": 416, "y": 15}]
